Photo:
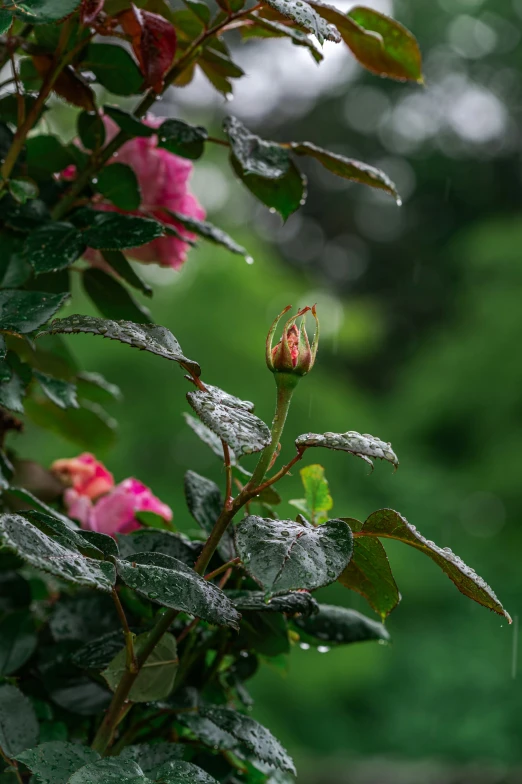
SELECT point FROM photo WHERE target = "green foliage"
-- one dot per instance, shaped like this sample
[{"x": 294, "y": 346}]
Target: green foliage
[{"x": 156, "y": 678}]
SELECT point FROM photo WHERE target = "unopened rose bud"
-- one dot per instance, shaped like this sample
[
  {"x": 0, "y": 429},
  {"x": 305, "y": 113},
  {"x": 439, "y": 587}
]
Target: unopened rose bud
[{"x": 293, "y": 355}]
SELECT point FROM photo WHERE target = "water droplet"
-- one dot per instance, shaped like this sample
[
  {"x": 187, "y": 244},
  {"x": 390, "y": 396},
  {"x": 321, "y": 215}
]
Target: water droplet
[
  {"x": 304, "y": 646},
  {"x": 249, "y": 259},
  {"x": 322, "y": 649}
]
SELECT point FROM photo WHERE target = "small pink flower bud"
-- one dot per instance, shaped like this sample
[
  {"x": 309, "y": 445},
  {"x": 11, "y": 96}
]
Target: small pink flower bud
[{"x": 293, "y": 354}]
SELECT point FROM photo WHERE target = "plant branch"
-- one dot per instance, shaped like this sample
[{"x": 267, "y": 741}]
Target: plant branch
[
  {"x": 284, "y": 398},
  {"x": 222, "y": 568},
  {"x": 14, "y": 765},
  {"x": 132, "y": 662}
]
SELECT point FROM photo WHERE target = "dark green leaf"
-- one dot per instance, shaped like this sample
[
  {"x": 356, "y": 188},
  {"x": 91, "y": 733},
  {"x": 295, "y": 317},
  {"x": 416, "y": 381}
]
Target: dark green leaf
[
  {"x": 12, "y": 391},
  {"x": 182, "y": 139},
  {"x": 285, "y": 195},
  {"x": 111, "y": 298},
  {"x": 339, "y": 626},
  {"x": 205, "y": 504},
  {"x": 255, "y": 155},
  {"x": 391, "y": 525},
  {"x": 256, "y": 738},
  {"x": 9, "y": 105},
  {"x": 18, "y": 723},
  {"x": 152, "y": 756},
  {"x": 17, "y": 641},
  {"x": 95, "y": 387},
  {"x": 364, "y": 446},
  {"x": 23, "y": 190},
  {"x": 118, "y": 183},
  {"x": 297, "y": 602},
  {"x": 53, "y": 247},
  {"x": 211, "y": 233},
  {"x": 156, "y": 339},
  {"x": 61, "y": 393},
  {"x": 128, "y": 122},
  {"x": 65, "y": 531},
  {"x": 5, "y": 21},
  {"x": 90, "y": 427},
  {"x": 268, "y": 28},
  {"x": 112, "y": 770},
  {"x": 154, "y": 541},
  {"x": 211, "y": 439},
  {"x": 263, "y": 633},
  {"x": 114, "y": 68},
  {"x": 304, "y": 15},
  {"x": 55, "y": 762},
  {"x": 231, "y": 420},
  {"x": 83, "y": 617},
  {"x": 36, "y": 503},
  {"x": 24, "y": 311},
  {"x": 113, "y": 231},
  {"x": 369, "y": 573},
  {"x": 170, "y": 583},
  {"x": 156, "y": 678},
  {"x": 283, "y": 556},
  {"x": 43, "y": 11},
  {"x": 180, "y": 772},
  {"x": 349, "y": 169},
  {"x": 46, "y": 155},
  {"x": 48, "y": 554},
  {"x": 117, "y": 261},
  {"x": 14, "y": 270},
  {"x": 201, "y": 10},
  {"x": 91, "y": 130},
  {"x": 103, "y": 542}
]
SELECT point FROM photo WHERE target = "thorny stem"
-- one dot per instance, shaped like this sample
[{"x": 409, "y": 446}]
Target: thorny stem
[
  {"x": 132, "y": 662},
  {"x": 223, "y": 568}
]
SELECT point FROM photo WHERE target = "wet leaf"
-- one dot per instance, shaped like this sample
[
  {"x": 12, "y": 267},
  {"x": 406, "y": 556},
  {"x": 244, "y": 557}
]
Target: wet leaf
[
  {"x": 282, "y": 555},
  {"x": 128, "y": 122},
  {"x": 304, "y": 15},
  {"x": 97, "y": 654},
  {"x": 369, "y": 573},
  {"x": 285, "y": 195},
  {"x": 69, "y": 85},
  {"x": 256, "y": 738},
  {"x": 153, "y": 40},
  {"x": 205, "y": 503},
  {"x": 152, "y": 756},
  {"x": 24, "y": 311},
  {"x": 102, "y": 542},
  {"x": 156, "y": 678},
  {"x": 6, "y": 20},
  {"x": 264, "y": 633},
  {"x": 36, "y": 503},
  {"x": 180, "y": 772},
  {"x": 48, "y": 554},
  {"x": 90, "y": 427},
  {"x": 349, "y": 169},
  {"x": 339, "y": 626},
  {"x": 43, "y": 11},
  {"x": 91, "y": 131},
  {"x": 56, "y": 761},
  {"x": 364, "y": 446},
  {"x": 17, "y": 641},
  {"x": 23, "y": 190},
  {"x": 269, "y": 28},
  {"x": 95, "y": 387},
  {"x": 171, "y": 583},
  {"x": 297, "y": 602},
  {"x": 255, "y": 155},
  {"x": 158, "y": 340},
  {"x": 112, "y": 770},
  {"x": 53, "y": 246},
  {"x": 211, "y": 439},
  {"x": 114, "y": 231},
  {"x": 211, "y": 233},
  {"x": 46, "y": 155},
  {"x": 155, "y": 541},
  {"x": 119, "y": 184},
  {"x": 113, "y": 68},
  {"x": 61, "y": 393},
  {"x": 18, "y": 722},
  {"x": 231, "y": 420},
  {"x": 318, "y": 500},
  {"x": 112, "y": 299},
  {"x": 180, "y": 138},
  {"x": 390, "y": 524}
]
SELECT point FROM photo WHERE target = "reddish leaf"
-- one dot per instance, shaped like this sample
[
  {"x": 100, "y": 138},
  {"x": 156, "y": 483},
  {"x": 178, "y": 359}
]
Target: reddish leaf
[
  {"x": 153, "y": 40},
  {"x": 89, "y": 10},
  {"x": 69, "y": 85}
]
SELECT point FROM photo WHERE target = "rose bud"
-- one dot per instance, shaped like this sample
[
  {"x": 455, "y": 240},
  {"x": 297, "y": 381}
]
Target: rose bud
[{"x": 293, "y": 355}]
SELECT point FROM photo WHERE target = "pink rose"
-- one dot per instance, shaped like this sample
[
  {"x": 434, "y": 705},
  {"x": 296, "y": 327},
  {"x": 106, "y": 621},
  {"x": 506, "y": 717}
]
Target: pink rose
[
  {"x": 163, "y": 180},
  {"x": 86, "y": 475}
]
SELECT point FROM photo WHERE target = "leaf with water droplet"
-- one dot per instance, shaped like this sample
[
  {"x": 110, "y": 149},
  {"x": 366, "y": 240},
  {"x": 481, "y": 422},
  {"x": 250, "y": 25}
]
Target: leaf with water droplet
[
  {"x": 209, "y": 232},
  {"x": 212, "y": 440},
  {"x": 61, "y": 393},
  {"x": 147, "y": 337},
  {"x": 112, "y": 770},
  {"x": 18, "y": 723},
  {"x": 282, "y": 555},
  {"x": 181, "y": 772},
  {"x": 364, "y": 446},
  {"x": 294, "y": 603},
  {"x": 156, "y": 678},
  {"x": 170, "y": 583},
  {"x": 231, "y": 420},
  {"x": 303, "y": 14},
  {"x": 205, "y": 503},
  {"x": 98, "y": 653},
  {"x": 155, "y": 541},
  {"x": 54, "y": 762},
  {"x": 151, "y": 757},
  {"x": 24, "y": 311},
  {"x": 53, "y": 246},
  {"x": 339, "y": 626},
  {"x": 389, "y": 524},
  {"x": 18, "y": 641}
]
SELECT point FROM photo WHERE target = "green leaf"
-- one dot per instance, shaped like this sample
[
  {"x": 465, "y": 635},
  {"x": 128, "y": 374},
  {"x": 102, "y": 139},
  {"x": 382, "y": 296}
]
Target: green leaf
[
  {"x": 349, "y": 169},
  {"x": 170, "y": 583},
  {"x": 111, "y": 298},
  {"x": 256, "y": 738},
  {"x": 12, "y": 391},
  {"x": 48, "y": 554},
  {"x": 113, "y": 231},
  {"x": 268, "y": 28},
  {"x": 153, "y": 520},
  {"x": 90, "y": 427},
  {"x": 91, "y": 130},
  {"x": 112, "y": 770},
  {"x": 56, "y": 761},
  {"x": 147, "y": 337},
  {"x": 265, "y": 634},
  {"x": 118, "y": 183},
  {"x": 369, "y": 573},
  {"x": 364, "y": 446},
  {"x": 389, "y": 524},
  {"x": 152, "y": 756},
  {"x": 229, "y": 419},
  {"x": 128, "y": 122},
  {"x": 211, "y": 233},
  {"x": 65, "y": 531},
  {"x": 97, "y": 654},
  {"x": 17, "y": 641},
  {"x": 14, "y": 270},
  {"x": 23, "y": 190},
  {"x": 5, "y": 21},
  {"x": 211, "y": 439},
  {"x": 95, "y": 387},
  {"x": 36, "y": 503},
  {"x": 102, "y": 542},
  {"x": 339, "y": 626},
  {"x": 180, "y": 138},
  {"x": 201, "y": 10},
  {"x": 304, "y": 15},
  {"x": 24, "y": 311},
  {"x": 18, "y": 722},
  {"x": 180, "y": 772},
  {"x": 205, "y": 504},
  {"x": 44, "y": 11},
  {"x": 117, "y": 261},
  {"x": 318, "y": 498},
  {"x": 113, "y": 68},
  {"x": 53, "y": 246},
  {"x": 156, "y": 678},
  {"x": 297, "y": 602},
  {"x": 61, "y": 393},
  {"x": 45, "y": 155},
  {"x": 283, "y": 556},
  {"x": 155, "y": 541},
  {"x": 9, "y": 104},
  {"x": 255, "y": 155},
  {"x": 284, "y": 195}
]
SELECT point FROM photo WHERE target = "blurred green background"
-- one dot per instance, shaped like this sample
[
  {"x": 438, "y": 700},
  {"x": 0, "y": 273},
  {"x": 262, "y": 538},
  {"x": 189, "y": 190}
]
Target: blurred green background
[{"x": 421, "y": 345}]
